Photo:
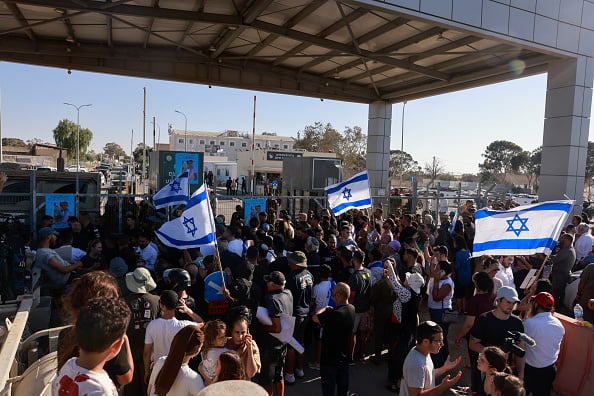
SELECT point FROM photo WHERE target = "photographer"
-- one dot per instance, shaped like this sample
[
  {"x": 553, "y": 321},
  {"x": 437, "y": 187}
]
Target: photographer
[
  {"x": 547, "y": 331},
  {"x": 492, "y": 328}
]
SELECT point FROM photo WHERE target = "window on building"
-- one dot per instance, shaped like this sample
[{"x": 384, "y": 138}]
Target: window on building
[
  {"x": 285, "y": 146},
  {"x": 243, "y": 144},
  {"x": 201, "y": 141},
  {"x": 191, "y": 141},
  {"x": 231, "y": 144},
  {"x": 212, "y": 142},
  {"x": 276, "y": 146},
  {"x": 258, "y": 145},
  {"x": 221, "y": 143},
  {"x": 180, "y": 140}
]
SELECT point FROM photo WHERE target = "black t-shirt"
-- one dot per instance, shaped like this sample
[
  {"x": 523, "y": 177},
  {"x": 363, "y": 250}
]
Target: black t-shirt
[
  {"x": 343, "y": 274},
  {"x": 300, "y": 283},
  {"x": 280, "y": 264},
  {"x": 492, "y": 331},
  {"x": 360, "y": 283},
  {"x": 144, "y": 308},
  {"x": 338, "y": 325}
]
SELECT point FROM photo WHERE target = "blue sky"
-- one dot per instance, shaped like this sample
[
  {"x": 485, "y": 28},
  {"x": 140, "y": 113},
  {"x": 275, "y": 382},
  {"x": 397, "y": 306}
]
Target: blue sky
[{"x": 454, "y": 127}]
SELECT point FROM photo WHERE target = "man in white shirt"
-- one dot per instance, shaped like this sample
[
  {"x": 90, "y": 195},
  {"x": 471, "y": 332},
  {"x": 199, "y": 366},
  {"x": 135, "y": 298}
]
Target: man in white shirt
[
  {"x": 548, "y": 332},
  {"x": 583, "y": 244},
  {"x": 235, "y": 243},
  {"x": 505, "y": 273},
  {"x": 418, "y": 371},
  {"x": 147, "y": 251},
  {"x": 160, "y": 331}
]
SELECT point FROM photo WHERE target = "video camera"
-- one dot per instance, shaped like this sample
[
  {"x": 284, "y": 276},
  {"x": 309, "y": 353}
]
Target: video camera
[{"x": 513, "y": 337}]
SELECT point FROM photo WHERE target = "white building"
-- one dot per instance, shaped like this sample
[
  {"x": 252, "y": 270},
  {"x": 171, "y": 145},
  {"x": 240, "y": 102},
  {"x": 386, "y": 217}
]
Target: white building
[{"x": 226, "y": 144}]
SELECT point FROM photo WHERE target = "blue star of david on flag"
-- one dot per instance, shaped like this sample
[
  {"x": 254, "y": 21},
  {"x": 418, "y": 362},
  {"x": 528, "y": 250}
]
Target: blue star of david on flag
[
  {"x": 175, "y": 186},
  {"x": 346, "y": 193},
  {"x": 190, "y": 226},
  {"x": 522, "y": 222}
]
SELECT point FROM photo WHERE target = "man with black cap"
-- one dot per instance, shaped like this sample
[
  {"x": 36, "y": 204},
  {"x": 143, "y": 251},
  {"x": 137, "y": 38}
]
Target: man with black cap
[
  {"x": 300, "y": 284},
  {"x": 548, "y": 332},
  {"x": 144, "y": 307},
  {"x": 278, "y": 301},
  {"x": 160, "y": 331}
]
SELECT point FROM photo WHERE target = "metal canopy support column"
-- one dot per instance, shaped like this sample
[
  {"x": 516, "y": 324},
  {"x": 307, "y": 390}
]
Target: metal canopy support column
[
  {"x": 567, "y": 123},
  {"x": 379, "y": 129}
]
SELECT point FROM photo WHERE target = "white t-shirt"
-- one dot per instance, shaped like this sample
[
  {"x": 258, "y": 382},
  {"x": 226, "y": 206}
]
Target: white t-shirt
[
  {"x": 75, "y": 380},
  {"x": 321, "y": 294},
  {"x": 583, "y": 245},
  {"x": 187, "y": 383},
  {"x": 417, "y": 372},
  {"x": 506, "y": 276},
  {"x": 160, "y": 333},
  {"x": 548, "y": 333},
  {"x": 209, "y": 362},
  {"x": 149, "y": 255},
  {"x": 446, "y": 303}
]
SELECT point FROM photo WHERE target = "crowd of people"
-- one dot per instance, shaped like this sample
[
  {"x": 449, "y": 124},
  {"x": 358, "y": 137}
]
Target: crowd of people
[{"x": 354, "y": 287}]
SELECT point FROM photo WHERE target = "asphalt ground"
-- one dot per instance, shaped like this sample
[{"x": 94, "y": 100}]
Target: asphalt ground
[{"x": 368, "y": 379}]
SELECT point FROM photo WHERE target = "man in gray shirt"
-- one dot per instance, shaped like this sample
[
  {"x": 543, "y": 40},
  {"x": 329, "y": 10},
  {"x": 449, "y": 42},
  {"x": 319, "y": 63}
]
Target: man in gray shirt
[
  {"x": 418, "y": 372},
  {"x": 563, "y": 262}
]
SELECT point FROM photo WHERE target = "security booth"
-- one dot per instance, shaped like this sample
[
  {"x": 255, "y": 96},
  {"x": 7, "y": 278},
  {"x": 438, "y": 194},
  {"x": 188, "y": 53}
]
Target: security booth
[{"x": 309, "y": 176}]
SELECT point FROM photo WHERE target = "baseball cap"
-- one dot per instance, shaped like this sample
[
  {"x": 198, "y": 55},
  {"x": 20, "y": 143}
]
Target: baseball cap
[
  {"x": 544, "y": 299},
  {"x": 46, "y": 231},
  {"x": 118, "y": 267},
  {"x": 169, "y": 298},
  {"x": 298, "y": 258},
  {"x": 276, "y": 277},
  {"x": 140, "y": 281},
  {"x": 509, "y": 293},
  {"x": 394, "y": 245},
  {"x": 415, "y": 281}
]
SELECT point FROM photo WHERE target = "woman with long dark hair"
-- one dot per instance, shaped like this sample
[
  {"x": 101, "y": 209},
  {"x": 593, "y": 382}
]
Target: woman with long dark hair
[{"x": 171, "y": 374}]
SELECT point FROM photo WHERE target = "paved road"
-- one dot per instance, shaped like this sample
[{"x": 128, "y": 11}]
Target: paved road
[{"x": 367, "y": 379}]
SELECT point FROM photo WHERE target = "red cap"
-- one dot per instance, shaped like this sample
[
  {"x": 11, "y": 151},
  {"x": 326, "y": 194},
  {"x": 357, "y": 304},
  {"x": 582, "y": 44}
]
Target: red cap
[{"x": 545, "y": 300}]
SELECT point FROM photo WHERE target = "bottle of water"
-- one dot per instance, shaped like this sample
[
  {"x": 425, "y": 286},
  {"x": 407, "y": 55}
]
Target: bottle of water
[{"x": 578, "y": 313}]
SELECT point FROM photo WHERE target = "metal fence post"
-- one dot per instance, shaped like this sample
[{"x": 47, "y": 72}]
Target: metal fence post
[
  {"x": 459, "y": 197},
  {"x": 415, "y": 197},
  {"x": 33, "y": 186},
  {"x": 120, "y": 213}
]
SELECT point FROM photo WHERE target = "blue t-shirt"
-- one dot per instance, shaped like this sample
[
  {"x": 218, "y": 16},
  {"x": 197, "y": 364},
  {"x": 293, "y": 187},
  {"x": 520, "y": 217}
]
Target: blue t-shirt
[{"x": 463, "y": 267}]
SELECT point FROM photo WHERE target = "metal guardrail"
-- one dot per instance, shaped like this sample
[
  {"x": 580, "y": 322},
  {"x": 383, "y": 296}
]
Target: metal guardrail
[{"x": 22, "y": 307}]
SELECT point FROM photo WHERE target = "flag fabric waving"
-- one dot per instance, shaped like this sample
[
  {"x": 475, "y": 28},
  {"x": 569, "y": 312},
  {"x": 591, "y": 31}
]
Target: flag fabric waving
[
  {"x": 174, "y": 193},
  {"x": 524, "y": 230},
  {"x": 350, "y": 194},
  {"x": 194, "y": 228}
]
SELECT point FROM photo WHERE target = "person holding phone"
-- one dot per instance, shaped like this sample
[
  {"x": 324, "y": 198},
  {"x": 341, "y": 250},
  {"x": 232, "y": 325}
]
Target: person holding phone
[{"x": 241, "y": 341}]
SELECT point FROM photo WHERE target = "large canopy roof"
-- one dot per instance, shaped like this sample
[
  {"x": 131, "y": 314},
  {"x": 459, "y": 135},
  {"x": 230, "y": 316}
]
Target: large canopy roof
[{"x": 345, "y": 50}]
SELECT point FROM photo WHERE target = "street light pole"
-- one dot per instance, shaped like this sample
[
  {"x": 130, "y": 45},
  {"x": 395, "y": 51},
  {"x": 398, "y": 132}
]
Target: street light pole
[
  {"x": 402, "y": 147},
  {"x": 185, "y": 129},
  {"x": 77, "y": 148}
]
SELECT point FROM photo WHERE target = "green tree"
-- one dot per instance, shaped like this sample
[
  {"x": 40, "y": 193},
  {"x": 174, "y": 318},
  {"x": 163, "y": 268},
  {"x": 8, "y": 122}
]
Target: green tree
[
  {"x": 402, "y": 163},
  {"x": 14, "y": 142},
  {"x": 114, "y": 150},
  {"x": 500, "y": 158},
  {"x": 138, "y": 153},
  {"x": 319, "y": 138},
  {"x": 65, "y": 136},
  {"x": 352, "y": 149},
  {"x": 589, "y": 167},
  {"x": 530, "y": 166}
]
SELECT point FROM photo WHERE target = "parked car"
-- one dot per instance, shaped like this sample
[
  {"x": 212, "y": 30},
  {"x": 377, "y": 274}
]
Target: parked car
[{"x": 72, "y": 168}]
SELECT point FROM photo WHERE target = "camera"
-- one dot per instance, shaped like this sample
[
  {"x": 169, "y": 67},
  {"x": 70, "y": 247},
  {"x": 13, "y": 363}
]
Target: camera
[{"x": 509, "y": 345}]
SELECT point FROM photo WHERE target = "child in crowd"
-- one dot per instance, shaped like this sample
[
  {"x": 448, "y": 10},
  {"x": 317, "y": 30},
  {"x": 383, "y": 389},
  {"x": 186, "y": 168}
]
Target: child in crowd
[
  {"x": 322, "y": 297},
  {"x": 215, "y": 338},
  {"x": 99, "y": 330},
  {"x": 229, "y": 367},
  {"x": 491, "y": 361}
]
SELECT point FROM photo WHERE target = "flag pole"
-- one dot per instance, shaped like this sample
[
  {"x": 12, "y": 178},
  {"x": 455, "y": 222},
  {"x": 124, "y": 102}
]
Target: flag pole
[{"x": 217, "y": 254}]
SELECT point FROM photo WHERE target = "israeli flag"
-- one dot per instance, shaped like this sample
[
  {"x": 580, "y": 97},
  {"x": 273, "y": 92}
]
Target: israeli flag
[
  {"x": 350, "y": 194},
  {"x": 524, "y": 230},
  {"x": 194, "y": 228},
  {"x": 174, "y": 193}
]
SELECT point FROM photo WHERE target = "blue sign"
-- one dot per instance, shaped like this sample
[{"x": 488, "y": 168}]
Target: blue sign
[
  {"x": 253, "y": 207},
  {"x": 274, "y": 184},
  {"x": 213, "y": 287},
  {"x": 60, "y": 207}
]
